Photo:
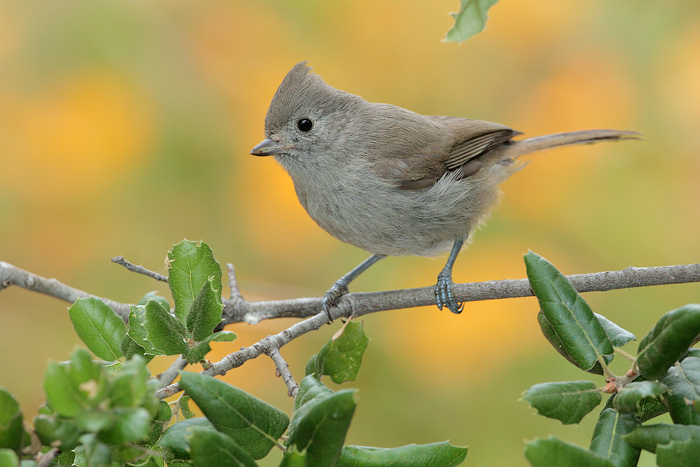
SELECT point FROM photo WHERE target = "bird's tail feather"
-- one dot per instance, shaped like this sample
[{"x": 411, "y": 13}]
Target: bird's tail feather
[{"x": 539, "y": 143}]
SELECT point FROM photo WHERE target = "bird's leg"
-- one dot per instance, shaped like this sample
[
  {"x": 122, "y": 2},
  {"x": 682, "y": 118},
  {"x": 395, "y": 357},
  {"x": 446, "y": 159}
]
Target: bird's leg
[
  {"x": 340, "y": 287},
  {"x": 443, "y": 288}
]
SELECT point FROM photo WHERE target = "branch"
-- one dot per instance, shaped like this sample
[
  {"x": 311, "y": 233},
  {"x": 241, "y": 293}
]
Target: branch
[
  {"x": 364, "y": 303},
  {"x": 168, "y": 376},
  {"x": 283, "y": 371},
  {"x": 139, "y": 269},
  {"x": 12, "y": 275}
]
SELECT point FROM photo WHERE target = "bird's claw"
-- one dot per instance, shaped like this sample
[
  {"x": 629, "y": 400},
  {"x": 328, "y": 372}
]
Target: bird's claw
[
  {"x": 444, "y": 295},
  {"x": 331, "y": 297}
]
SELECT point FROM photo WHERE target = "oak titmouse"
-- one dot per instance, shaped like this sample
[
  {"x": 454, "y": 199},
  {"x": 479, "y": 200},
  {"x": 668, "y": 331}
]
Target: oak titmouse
[{"x": 391, "y": 181}]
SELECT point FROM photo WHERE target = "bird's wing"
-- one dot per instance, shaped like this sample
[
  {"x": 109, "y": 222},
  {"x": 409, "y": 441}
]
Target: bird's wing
[{"x": 435, "y": 145}]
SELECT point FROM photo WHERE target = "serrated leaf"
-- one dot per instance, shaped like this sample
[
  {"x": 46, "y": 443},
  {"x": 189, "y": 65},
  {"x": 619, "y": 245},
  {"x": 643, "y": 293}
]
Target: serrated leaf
[
  {"x": 470, "y": 19},
  {"x": 164, "y": 331},
  {"x": 668, "y": 341},
  {"x": 649, "y": 437},
  {"x": 683, "y": 378},
  {"x": 319, "y": 427},
  {"x": 678, "y": 454},
  {"x": 580, "y": 333},
  {"x": 607, "y": 438},
  {"x": 11, "y": 430},
  {"x": 98, "y": 327},
  {"x": 213, "y": 449},
  {"x": 253, "y": 424},
  {"x": 201, "y": 349},
  {"x": 191, "y": 265},
  {"x": 340, "y": 358},
  {"x": 176, "y": 438},
  {"x": 205, "y": 312},
  {"x": 441, "y": 454},
  {"x": 137, "y": 334},
  {"x": 629, "y": 399},
  {"x": 567, "y": 402},
  {"x": 555, "y": 452}
]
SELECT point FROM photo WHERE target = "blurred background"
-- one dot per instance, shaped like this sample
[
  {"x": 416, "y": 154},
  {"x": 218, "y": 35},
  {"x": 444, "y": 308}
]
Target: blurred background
[{"x": 125, "y": 127}]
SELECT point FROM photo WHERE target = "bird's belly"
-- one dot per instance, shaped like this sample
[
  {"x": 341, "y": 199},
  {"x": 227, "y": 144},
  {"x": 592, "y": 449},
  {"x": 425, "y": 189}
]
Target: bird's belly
[{"x": 385, "y": 220}]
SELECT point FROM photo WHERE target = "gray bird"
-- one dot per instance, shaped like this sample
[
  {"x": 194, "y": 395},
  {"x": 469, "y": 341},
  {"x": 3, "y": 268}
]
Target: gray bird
[{"x": 391, "y": 181}]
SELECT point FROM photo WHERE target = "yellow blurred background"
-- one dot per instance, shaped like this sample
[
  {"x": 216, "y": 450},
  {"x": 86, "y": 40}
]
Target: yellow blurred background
[{"x": 125, "y": 127}]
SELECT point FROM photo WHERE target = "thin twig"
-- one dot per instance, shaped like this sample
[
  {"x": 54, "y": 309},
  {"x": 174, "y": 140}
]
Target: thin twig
[
  {"x": 235, "y": 294},
  {"x": 263, "y": 346},
  {"x": 168, "y": 376},
  {"x": 283, "y": 371},
  {"x": 139, "y": 269},
  {"x": 47, "y": 458}
]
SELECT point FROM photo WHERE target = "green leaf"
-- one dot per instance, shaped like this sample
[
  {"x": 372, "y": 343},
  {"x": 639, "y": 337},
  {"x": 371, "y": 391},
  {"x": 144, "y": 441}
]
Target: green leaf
[
  {"x": 201, "y": 349},
  {"x": 136, "y": 339},
  {"x": 629, "y": 399},
  {"x": 319, "y": 425},
  {"x": 607, "y": 438},
  {"x": 683, "y": 378},
  {"x": 76, "y": 385},
  {"x": 310, "y": 389},
  {"x": 185, "y": 407},
  {"x": 441, "y": 454},
  {"x": 131, "y": 424},
  {"x": 8, "y": 458},
  {"x": 11, "y": 430},
  {"x": 678, "y": 454},
  {"x": 567, "y": 402},
  {"x": 54, "y": 429},
  {"x": 130, "y": 386},
  {"x": 176, "y": 438},
  {"x": 205, "y": 312},
  {"x": 555, "y": 452},
  {"x": 668, "y": 341},
  {"x": 470, "y": 19},
  {"x": 340, "y": 358},
  {"x": 294, "y": 458},
  {"x": 99, "y": 327},
  {"x": 93, "y": 452},
  {"x": 191, "y": 265},
  {"x": 682, "y": 411},
  {"x": 214, "y": 449},
  {"x": 617, "y": 335},
  {"x": 649, "y": 437},
  {"x": 580, "y": 333},
  {"x": 154, "y": 296},
  {"x": 165, "y": 332},
  {"x": 253, "y": 424}
]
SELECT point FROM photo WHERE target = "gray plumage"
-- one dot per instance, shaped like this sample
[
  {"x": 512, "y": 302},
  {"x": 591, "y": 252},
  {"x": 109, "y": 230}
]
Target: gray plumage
[{"x": 388, "y": 180}]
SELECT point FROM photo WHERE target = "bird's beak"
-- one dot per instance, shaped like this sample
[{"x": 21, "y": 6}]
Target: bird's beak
[{"x": 268, "y": 148}]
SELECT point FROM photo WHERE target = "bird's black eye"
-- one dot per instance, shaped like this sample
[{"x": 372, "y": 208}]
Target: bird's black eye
[{"x": 304, "y": 124}]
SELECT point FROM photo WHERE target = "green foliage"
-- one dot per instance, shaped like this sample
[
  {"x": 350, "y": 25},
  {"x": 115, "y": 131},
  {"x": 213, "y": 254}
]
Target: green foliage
[
  {"x": 665, "y": 376},
  {"x": 106, "y": 413},
  {"x": 470, "y": 19}
]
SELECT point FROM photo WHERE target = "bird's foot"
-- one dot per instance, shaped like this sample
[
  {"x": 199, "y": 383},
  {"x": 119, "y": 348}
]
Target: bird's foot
[
  {"x": 444, "y": 295},
  {"x": 330, "y": 298}
]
